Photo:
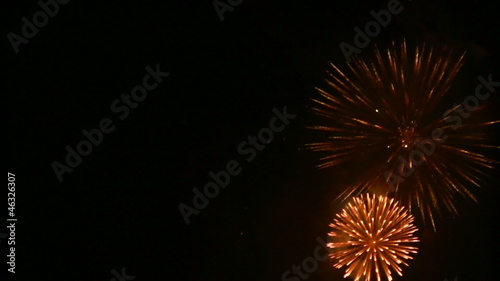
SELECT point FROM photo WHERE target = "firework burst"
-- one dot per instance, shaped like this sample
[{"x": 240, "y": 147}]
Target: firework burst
[
  {"x": 371, "y": 236},
  {"x": 386, "y": 111}
]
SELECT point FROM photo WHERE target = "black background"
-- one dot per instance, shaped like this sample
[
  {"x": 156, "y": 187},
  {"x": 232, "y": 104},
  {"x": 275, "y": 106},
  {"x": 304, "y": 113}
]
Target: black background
[{"x": 119, "y": 207}]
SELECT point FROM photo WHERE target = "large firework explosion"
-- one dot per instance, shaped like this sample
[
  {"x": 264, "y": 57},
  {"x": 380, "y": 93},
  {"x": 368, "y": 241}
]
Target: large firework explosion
[
  {"x": 387, "y": 111},
  {"x": 371, "y": 237}
]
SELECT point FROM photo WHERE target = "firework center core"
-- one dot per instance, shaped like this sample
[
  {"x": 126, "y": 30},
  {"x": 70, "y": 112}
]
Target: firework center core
[{"x": 408, "y": 135}]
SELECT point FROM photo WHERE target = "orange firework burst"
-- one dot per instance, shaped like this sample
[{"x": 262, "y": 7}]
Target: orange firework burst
[
  {"x": 389, "y": 112},
  {"x": 371, "y": 237}
]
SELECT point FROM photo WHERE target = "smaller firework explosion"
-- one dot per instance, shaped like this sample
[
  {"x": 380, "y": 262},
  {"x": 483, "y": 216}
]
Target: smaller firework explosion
[{"x": 371, "y": 236}]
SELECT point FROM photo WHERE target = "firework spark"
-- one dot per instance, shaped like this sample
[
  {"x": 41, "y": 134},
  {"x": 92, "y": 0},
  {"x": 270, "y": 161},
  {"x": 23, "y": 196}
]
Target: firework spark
[
  {"x": 371, "y": 236},
  {"x": 386, "y": 109}
]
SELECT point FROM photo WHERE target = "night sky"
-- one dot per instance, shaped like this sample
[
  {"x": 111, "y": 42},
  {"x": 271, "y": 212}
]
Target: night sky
[{"x": 119, "y": 207}]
